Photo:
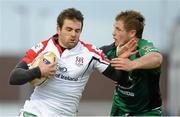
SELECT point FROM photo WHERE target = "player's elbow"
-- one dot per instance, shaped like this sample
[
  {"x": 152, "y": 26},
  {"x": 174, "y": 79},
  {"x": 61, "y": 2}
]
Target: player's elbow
[
  {"x": 12, "y": 76},
  {"x": 11, "y": 82},
  {"x": 159, "y": 59}
]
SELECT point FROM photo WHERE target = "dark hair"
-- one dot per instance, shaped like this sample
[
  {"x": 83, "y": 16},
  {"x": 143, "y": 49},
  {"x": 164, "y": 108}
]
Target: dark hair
[
  {"x": 132, "y": 20},
  {"x": 70, "y": 13}
]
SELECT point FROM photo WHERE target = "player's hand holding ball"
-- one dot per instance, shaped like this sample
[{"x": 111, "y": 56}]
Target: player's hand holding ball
[{"x": 47, "y": 64}]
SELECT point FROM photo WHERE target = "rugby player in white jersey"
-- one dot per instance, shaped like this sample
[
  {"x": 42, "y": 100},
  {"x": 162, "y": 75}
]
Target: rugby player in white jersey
[{"x": 76, "y": 60}]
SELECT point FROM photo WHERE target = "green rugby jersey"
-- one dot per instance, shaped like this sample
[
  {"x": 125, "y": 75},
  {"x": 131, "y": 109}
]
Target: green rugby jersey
[{"x": 139, "y": 92}]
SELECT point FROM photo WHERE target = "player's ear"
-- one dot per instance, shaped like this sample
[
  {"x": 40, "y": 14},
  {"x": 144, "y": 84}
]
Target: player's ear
[
  {"x": 132, "y": 33},
  {"x": 58, "y": 30}
]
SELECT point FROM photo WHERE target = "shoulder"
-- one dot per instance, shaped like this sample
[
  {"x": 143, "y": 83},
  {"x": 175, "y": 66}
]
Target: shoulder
[
  {"x": 92, "y": 50},
  {"x": 107, "y": 48},
  {"x": 42, "y": 45},
  {"x": 146, "y": 46},
  {"x": 90, "y": 47},
  {"x": 34, "y": 51},
  {"x": 143, "y": 42}
]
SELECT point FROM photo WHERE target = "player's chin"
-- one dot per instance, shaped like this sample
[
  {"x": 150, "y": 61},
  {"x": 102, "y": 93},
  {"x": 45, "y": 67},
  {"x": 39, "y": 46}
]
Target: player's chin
[
  {"x": 72, "y": 44},
  {"x": 116, "y": 44}
]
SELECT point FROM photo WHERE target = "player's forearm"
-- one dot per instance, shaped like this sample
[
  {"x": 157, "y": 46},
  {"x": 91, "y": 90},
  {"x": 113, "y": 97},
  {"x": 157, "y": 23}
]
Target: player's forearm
[
  {"x": 114, "y": 74},
  {"x": 151, "y": 60},
  {"x": 21, "y": 74}
]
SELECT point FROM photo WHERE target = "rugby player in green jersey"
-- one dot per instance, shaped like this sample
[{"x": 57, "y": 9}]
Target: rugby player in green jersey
[{"x": 138, "y": 94}]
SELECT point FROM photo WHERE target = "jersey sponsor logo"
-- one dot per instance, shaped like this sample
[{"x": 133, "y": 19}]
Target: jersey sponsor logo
[
  {"x": 60, "y": 73},
  {"x": 61, "y": 69},
  {"x": 66, "y": 77},
  {"x": 37, "y": 47},
  {"x": 79, "y": 60},
  {"x": 127, "y": 93},
  {"x": 149, "y": 49}
]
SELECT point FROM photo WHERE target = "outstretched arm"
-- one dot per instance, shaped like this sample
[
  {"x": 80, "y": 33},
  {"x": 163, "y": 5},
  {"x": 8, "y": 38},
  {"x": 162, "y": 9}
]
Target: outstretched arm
[
  {"x": 123, "y": 52},
  {"x": 114, "y": 74},
  {"x": 148, "y": 61}
]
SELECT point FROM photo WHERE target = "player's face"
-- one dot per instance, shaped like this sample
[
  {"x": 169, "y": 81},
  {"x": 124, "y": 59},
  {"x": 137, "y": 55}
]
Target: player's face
[
  {"x": 120, "y": 35},
  {"x": 69, "y": 33}
]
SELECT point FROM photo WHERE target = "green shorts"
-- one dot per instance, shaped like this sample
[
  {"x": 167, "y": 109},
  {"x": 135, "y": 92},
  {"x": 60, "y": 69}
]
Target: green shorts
[
  {"x": 152, "y": 112},
  {"x": 27, "y": 114}
]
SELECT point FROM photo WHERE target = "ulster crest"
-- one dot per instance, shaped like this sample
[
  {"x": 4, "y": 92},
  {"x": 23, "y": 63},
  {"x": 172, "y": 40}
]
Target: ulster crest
[{"x": 79, "y": 61}]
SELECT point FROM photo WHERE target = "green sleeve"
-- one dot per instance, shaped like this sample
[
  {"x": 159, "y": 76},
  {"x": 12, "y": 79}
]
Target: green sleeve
[{"x": 146, "y": 47}]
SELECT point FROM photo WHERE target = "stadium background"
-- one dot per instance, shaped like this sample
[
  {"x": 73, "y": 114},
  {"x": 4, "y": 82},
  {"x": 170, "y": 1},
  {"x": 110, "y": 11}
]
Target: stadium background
[{"x": 24, "y": 23}]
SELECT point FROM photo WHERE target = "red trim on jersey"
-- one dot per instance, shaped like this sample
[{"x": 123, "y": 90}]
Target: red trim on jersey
[
  {"x": 101, "y": 54},
  {"x": 29, "y": 57},
  {"x": 31, "y": 54},
  {"x": 56, "y": 44}
]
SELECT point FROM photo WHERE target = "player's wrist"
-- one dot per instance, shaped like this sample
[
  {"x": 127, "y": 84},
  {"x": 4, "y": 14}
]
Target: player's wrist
[
  {"x": 134, "y": 65},
  {"x": 36, "y": 71}
]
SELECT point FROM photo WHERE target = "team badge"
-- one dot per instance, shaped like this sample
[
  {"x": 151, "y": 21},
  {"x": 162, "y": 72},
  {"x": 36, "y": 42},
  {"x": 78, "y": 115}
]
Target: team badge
[
  {"x": 37, "y": 47},
  {"x": 79, "y": 60},
  {"x": 148, "y": 47}
]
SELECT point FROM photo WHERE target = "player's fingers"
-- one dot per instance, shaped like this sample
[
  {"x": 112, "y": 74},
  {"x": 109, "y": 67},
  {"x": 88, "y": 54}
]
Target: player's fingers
[
  {"x": 51, "y": 75},
  {"x": 134, "y": 52},
  {"x": 118, "y": 68},
  {"x": 130, "y": 43},
  {"x": 117, "y": 59},
  {"x": 132, "y": 46},
  {"x": 53, "y": 70},
  {"x": 52, "y": 65},
  {"x": 116, "y": 64}
]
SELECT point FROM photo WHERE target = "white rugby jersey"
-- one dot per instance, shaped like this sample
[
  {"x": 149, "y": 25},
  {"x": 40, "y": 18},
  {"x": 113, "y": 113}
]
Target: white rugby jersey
[{"x": 60, "y": 95}]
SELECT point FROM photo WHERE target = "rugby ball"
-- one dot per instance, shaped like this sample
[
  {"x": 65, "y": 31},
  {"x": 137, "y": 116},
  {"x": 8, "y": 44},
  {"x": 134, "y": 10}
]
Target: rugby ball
[{"x": 48, "y": 57}]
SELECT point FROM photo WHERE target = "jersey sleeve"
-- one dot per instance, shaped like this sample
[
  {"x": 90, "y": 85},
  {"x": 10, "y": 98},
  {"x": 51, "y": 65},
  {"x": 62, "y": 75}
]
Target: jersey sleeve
[
  {"x": 100, "y": 61},
  {"x": 147, "y": 47},
  {"x": 32, "y": 53}
]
